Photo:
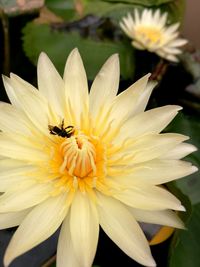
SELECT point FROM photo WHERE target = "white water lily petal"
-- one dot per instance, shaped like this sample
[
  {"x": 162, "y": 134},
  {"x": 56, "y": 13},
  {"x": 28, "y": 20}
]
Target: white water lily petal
[
  {"x": 155, "y": 172},
  {"x": 10, "y": 179},
  {"x": 76, "y": 87},
  {"x": 172, "y": 28},
  {"x": 152, "y": 121},
  {"x": 65, "y": 251},
  {"x": 150, "y": 146},
  {"x": 141, "y": 104},
  {"x": 105, "y": 85},
  {"x": 179, "y": 42},
  {"x": 138, "y": 45},
  {"x": 125, "y": 103},
  {"x": 49, "y": 214},
  {"x": 12, "y": 91},
  {"x": 149, "y": 198},
  {"x": 12, "y": 219},
  {"x": 84, "y": 225},
  {"x": 24, "y": 197},
  {"x": 51, "y": 84},
  {"x": 172, "y": 58},
  {"x": 13, "y": 120},
  {"x": 163, "y": 217},
  {"x": 180, "y": 151},
  {"x": 120, "y": 226},
  {"x": 10, "y": 164},
  {"x": 10, "y": 148},
  {"x": 25, "y": 97}
]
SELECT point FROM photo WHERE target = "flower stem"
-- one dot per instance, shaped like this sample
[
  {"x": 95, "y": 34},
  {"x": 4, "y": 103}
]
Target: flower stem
[
  {"x": 5, "y": 25},
  {"x": 49, "y": 262}
]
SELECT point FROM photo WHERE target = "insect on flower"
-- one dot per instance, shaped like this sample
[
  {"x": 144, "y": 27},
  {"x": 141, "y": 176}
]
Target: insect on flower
[{"x": 61, "y": 130}]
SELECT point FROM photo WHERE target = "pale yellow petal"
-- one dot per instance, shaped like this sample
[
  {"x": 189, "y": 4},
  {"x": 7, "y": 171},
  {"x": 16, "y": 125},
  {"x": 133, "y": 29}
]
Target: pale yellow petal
[
  {"x": 143, "y": 99},
  {"x": 50, "y": 84},
  {"x": 10, "y": 179},
  {"x": 65, "y": 251},
  {"x": 24, "y": 197},
  {"x": 12, "y": 219},
  {"x": 148, "y": 147},
  {"x": 138, "y": 45},
  {"x": 105, "y": 85},
  {"x": 178, "y": 42},
  {"x": 10, "y": 165},
  {"x": 171, "y": 29},
  {"x": 10, "y": 148},
  {"x": 118, "y": 223},
  {"x": 156, "y": 172},
  {"x": 149, "y": 198},
  {"x": 76, "y": 86},
  {"x": 152, "y": 121},
  {"x": 38, "y": 225},
  {"x": 180, "y": 151},
  {"x": 163, "y": 217},
  {"x": 84, "y": 225},
  {"x": 29, "y": 100},
  {"x": 13, "y": 120},
  {"x": 126, "y": 102}
]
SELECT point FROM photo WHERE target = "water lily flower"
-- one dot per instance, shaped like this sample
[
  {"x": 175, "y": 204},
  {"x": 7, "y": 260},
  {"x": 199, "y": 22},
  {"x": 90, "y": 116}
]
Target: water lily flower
[
  {"x": 84, "y": 160},
  {"x": 150, "y": 32}
]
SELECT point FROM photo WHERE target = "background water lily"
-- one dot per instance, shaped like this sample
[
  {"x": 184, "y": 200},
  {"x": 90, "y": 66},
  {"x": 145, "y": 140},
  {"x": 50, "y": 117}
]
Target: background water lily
[
  {"x": 150, "y": 31},
  {"x": 107, "y": 170}
]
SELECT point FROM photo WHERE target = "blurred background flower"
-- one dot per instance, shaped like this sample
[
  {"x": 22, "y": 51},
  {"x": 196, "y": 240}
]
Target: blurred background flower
[{"x": 149, "y": 31}]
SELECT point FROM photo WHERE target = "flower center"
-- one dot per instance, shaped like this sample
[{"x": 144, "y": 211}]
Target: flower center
[
  {"x": 152, "y": 35},
  {"x": 79, "y": 156}
]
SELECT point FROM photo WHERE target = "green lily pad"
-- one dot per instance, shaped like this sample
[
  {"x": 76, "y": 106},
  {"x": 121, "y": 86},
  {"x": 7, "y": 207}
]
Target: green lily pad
[
  {"x": 58, "y": 44},
  {"x": 186, "y": 246}
]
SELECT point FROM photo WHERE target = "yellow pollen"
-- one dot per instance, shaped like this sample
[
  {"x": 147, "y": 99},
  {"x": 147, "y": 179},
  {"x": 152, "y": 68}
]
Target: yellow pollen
[
  {"x": 152, "y": 35},
  {"x": 77, "y": 163},
  {"x": 79, "y": 156}
]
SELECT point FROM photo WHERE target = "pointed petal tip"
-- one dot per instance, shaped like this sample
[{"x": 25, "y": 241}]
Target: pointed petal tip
[
  {"x": 113, "y": 59},
  {"x": 177, "y": 107},
  {"x": 147, "y": 76},
  {"x": 5, "y": 79},
  {"x": 42, "y": 55},
  {"x": 74, "y": 53},
  {"x": 181, "y": 208},
  {"x": 74, "y": 56},
  {"x": 151, "y": 262},
  {"x": 194, "y": 169},
  {"x": 7, "y": 259},
  {"x": 182, "y": 226},
  {"x": 75, "y": 50}
]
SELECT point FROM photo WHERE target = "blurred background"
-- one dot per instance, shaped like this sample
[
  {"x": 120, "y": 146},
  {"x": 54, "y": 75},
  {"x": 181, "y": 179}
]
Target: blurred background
[
  {"x": 192, "y": 22},
  {"x": 57, "y": 26}
]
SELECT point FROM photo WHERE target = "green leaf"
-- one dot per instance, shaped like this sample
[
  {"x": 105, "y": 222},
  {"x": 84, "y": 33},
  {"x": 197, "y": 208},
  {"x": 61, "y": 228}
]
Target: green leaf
[
  {"x": 139, "y": 2},
  {"x": 58, "y": 44},
  {"x": 189, "y": 126},
  {"x": 62, "y": 8},
  {"x": 186, "y": 246},
  {"x": 176, "y": 10},
  {"x": 116, "y": 10}
]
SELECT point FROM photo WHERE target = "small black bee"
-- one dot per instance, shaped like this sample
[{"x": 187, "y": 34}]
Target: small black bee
[{"x": 61, "y": 131}]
